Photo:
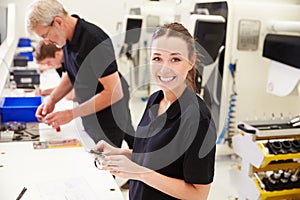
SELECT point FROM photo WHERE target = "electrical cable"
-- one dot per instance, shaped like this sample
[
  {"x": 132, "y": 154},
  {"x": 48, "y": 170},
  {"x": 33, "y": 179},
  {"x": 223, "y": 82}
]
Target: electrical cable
[{"x": 231, "y": 110}]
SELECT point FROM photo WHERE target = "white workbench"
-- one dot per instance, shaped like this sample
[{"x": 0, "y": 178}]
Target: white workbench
[{"x": 54, "y": 174}]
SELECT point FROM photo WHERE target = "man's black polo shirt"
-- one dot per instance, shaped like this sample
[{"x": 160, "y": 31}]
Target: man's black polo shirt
[
  {"x": 88, "y": 57},
  {"x": 60, "y": 70}
]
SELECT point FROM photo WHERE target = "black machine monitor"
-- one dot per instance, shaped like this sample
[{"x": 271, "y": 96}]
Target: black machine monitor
[
  {"x": 133, "y": 30},
  {"x": 210, "y": 35}
]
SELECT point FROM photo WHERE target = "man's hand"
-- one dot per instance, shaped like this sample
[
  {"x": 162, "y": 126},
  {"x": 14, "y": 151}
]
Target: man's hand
[{"x": 58, "y": 118}]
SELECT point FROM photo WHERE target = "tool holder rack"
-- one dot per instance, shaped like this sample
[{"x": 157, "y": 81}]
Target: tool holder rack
[{"x": 250, "y": 177}]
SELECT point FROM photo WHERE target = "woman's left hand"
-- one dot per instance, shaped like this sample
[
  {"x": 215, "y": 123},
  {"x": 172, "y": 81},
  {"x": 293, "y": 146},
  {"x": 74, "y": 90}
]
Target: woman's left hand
[{"x": 120, "y": 165}]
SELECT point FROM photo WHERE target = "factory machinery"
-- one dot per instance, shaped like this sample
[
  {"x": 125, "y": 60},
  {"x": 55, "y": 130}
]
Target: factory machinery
[
  {"x": 270, "y": 152},
  {"x": 255, "y": 45}
]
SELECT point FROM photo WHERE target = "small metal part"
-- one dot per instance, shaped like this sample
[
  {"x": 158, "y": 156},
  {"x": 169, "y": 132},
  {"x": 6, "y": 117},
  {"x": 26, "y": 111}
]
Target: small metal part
[
  {"x": 98, "y": 153},
  {"x": 287, "y": 173},
  {"x": 14, "y": 126},
  {"x": 294, "y": 177},
  {"x": 284, "y": 180},
  {"x": 276, "y": 175},
  {"x": 19, "y": 133},
  {"x": 98, "y": 162},
  {"x": 18, "y": 138},
  {"x": 272, "y": 180},
  {"x": 33, "y": 136}
]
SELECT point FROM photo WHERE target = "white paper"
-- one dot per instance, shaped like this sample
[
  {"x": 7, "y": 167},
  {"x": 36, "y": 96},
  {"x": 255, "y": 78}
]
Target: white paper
[
  {"x": 70, "y": 189},
  {"x": 282, "y": 79}
]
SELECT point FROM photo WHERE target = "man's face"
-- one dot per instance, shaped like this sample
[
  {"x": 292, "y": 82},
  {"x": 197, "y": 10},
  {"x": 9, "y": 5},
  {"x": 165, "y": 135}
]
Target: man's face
[
  {"x": 53, "y": 33},
  {"x": 52, "y": 63}
]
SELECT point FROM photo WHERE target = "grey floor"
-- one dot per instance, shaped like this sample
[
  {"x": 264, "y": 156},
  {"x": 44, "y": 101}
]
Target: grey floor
[{"x": 222, "y": 188}]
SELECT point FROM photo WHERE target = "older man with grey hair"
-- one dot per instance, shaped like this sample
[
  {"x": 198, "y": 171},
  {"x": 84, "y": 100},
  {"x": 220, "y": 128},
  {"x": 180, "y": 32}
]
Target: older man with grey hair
[{"x": 92, "y": 71}]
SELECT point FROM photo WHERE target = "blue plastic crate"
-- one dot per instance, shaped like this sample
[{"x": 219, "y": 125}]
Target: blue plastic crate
[
  {"x": 20, "y": 109},
  {"x": 29, "y": 55},
  {"x": 24, "y": 42}
]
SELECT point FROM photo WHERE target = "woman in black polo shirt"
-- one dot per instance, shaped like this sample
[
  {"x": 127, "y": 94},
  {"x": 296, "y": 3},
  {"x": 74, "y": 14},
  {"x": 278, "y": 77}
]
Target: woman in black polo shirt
[{"x": 174, "y": 149}]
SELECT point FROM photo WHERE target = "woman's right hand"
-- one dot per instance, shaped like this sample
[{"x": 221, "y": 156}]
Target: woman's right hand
[{"x": 107, "y": 149}]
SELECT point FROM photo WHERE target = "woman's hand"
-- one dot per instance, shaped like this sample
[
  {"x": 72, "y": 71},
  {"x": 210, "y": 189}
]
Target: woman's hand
[
  {"x": 120, "y": 165},
  {"x": 107, "y": 149},
  {"x": 118, "y": 161}
]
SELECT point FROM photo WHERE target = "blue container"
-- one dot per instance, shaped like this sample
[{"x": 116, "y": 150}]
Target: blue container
[
  {"x": 21, "y": 109},
  {"x": 29, "y": 55},
  {"x": 24, "y": 42}
]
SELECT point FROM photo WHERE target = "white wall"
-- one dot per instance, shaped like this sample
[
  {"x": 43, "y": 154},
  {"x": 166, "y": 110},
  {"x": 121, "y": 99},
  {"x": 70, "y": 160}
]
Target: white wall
[
  {"x": 104, "y": 13},
  {"x": 101, "y": 12},
  {"x": 8, "y": 46}
]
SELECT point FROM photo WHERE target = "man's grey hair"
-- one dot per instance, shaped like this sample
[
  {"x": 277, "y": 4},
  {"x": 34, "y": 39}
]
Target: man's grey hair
[{"x": 42, "y": 12}]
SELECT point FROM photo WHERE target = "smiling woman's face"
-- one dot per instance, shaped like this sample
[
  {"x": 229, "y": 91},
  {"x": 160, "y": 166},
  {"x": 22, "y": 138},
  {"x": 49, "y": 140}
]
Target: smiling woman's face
[{"x": 170, "y": 63}]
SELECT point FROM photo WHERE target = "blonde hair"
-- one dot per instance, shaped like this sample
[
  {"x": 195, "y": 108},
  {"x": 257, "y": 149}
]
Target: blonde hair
[{"x": 42, "y": 12}]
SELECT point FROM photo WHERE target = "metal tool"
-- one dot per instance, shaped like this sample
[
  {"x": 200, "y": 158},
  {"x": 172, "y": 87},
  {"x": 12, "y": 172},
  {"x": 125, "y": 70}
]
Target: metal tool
[
  {"x": 262, "y": 185},
  {"x": 97, "y": 153},
  {"x": 33, "y": 136}
]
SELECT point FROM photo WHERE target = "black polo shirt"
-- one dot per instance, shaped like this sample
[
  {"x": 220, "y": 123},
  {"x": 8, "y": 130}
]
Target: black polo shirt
[
  {"x": 60, "y": 70},
  {"x": 180, "y": 143},
  {"x": 88, "y": 57}
]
